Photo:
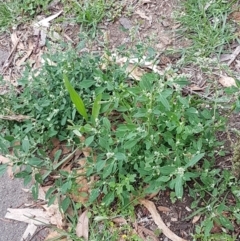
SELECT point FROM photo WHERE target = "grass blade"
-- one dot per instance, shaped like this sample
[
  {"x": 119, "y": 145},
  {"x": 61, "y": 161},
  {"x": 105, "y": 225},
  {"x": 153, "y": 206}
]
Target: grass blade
[
  {"x": 96, "y": 107},
  {"x": 76, "y": 99}
]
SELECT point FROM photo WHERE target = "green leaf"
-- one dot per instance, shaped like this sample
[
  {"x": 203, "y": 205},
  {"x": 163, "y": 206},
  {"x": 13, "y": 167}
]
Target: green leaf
[
  {"x": 100, "y": 165},
  {"x": 226, "y": 223},
  {"x": 49, "y": 192},
  {"x": 103, "y": 142},
  {"x": 130, "y": 143},
  {"x": 89, "y": 140},
  {"x": 108, "y": 199},
  {"x": 163, "y": 179},
  {"x": 194, "y": 160},
  {"x": 35, "y": 191},
  {"x": 208, "y": 227},
  {"x": 51, "y": 200},
  {"x": 25, "y": 145},
  {"x": 34, "y": 161},
  {"x": 108, "y": 170},
  {"x": 65, "y": 204},
  {"x": 38, "y": 178},
  {"x": 66, "y": 186},
  {"x": 27, "y": 180},
  {"x": 106, "y": 123},
  {"x": 96, "y": 107},
  {"x": 3, "y": 168},
  {"x": 164, "y": 101},
  {"x": 76, "y": 99},
  {"x": 166, "y": 170},
  {"x": 179, "y": 186},
  {"x": 94, "y": 194},
  {"x": 57, "y": 155}
]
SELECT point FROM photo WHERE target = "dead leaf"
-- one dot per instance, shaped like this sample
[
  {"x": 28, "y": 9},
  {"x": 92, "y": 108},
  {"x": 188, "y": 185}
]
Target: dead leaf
[
  {"x": 55, "y": 217},
  {"x": 14, "y": 38},
  {"x": 119, "y": 220},
  {"x": 82, "y": 226},
  {"x": 134, "y": 72},
  {"x": 149, "y": 233},
  {"x": 5, "y": 160},
  {"x": 45, "y": 22},
  {"x": 55, "y": 142},
  {"x": 158, "y": 220},
  {"x": 163, "y": 209},
  {"x": 54, "y": 235},
  {"x": 18, "y": 118},
  {"x": 24, "y": 58},
  {"x": 227, "y": 81},
  {"x": 196, "y": 218},
  {"x": 143, "y": 15},
  {"x": 40, "y": 28},
  {"x": 236, "y": 16},
  {"x": 196, "y": 88}
]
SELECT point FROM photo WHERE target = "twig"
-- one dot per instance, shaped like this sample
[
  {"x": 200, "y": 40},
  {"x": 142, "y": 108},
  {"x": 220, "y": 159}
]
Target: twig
[
  {"x": 234, "y": 55},
  {"x": 37, "y": 42},
  {"x": 196, "y": 93}
]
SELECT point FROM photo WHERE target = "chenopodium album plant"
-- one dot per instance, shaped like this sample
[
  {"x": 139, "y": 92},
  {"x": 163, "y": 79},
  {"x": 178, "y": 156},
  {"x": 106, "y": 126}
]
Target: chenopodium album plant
[{"x": 146, "y": 137}]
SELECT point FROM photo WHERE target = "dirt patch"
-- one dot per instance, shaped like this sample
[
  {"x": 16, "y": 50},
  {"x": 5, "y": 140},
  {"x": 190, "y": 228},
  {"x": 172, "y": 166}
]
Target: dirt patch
[
  {"x": 173, "y": 214},
  {"x": 151, "y": 23}
]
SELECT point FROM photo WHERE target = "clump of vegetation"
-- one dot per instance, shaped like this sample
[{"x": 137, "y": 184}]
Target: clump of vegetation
[
  {"x": 205, "y": 24},
  {"x": 145, "y": 136}
]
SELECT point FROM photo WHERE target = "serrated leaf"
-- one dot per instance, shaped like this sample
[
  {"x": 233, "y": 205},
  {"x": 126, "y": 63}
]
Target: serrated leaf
[
  {"x": 96, "y": 107},
  {"x": 194, "y": 160},
  {"x": 76, "y": 99}
]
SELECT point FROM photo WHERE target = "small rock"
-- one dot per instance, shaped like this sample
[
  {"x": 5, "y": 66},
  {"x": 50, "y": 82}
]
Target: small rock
[{"x": 126, "y": 23}]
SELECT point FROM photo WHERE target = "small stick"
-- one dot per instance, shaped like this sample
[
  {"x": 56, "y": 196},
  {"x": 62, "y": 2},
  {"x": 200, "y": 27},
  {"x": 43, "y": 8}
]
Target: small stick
[{"x": 37, "y": 43}]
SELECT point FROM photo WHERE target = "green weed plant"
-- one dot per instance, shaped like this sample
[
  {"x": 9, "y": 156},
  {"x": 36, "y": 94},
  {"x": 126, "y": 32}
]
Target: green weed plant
[{"x": 146, "y": 135}]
